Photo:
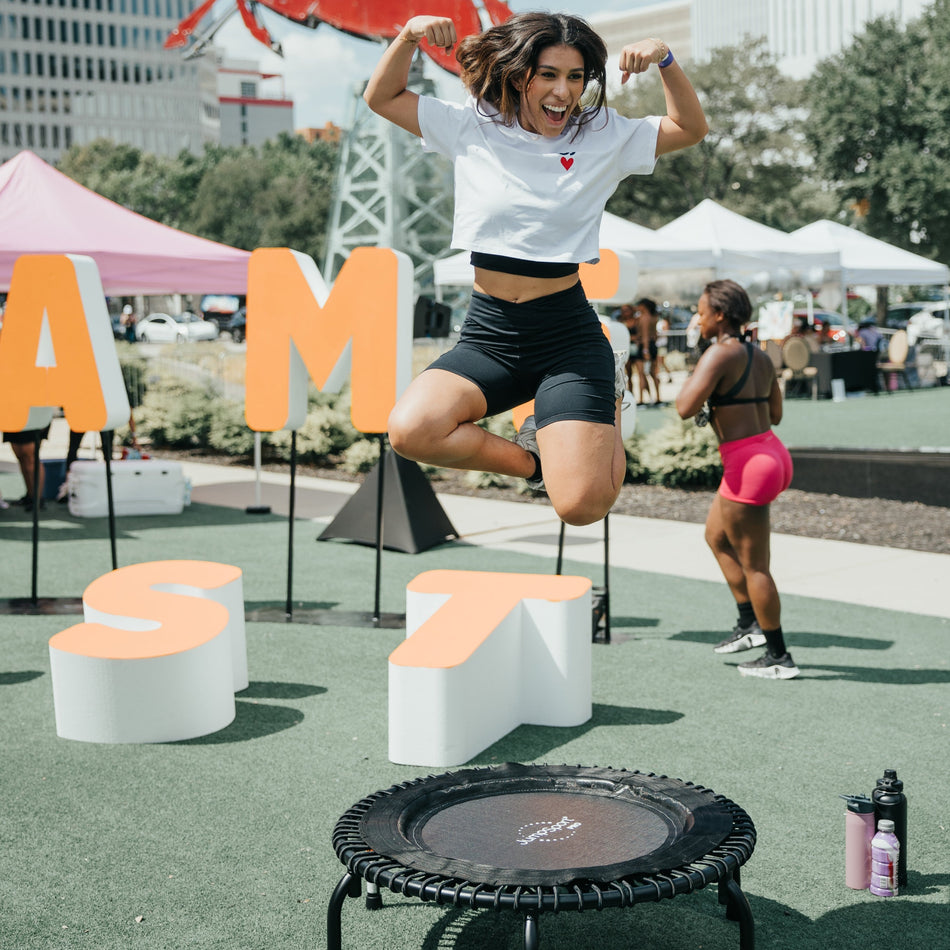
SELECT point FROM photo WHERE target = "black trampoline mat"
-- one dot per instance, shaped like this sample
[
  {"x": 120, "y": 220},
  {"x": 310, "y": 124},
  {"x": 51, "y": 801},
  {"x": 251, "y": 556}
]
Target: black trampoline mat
[
  {"x": 546, "y": 830},
  {"x": 545, "y": 825}
]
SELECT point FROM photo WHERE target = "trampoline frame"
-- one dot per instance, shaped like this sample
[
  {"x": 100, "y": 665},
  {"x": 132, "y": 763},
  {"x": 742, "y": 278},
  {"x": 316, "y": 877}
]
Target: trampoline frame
[{"x": 720, "y": 865}]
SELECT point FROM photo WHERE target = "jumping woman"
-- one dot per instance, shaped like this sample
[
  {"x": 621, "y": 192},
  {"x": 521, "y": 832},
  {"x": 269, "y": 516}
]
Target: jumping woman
[{"x": 536, "y": 155}]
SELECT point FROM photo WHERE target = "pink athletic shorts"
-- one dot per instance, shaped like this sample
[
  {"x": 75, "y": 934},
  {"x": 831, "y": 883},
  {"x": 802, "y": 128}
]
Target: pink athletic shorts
[{"x": 756, "y": 470}]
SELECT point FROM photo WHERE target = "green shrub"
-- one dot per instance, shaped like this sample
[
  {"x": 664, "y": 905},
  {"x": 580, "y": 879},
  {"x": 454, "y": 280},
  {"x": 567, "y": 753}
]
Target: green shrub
[
  {"x": 681, "y": 455},
  {"x": 176, "y": 414},
  {"x": 134, "y": 375},
  {"x": 326, "y": 431},
  {"x": 636, "y": 470},
  {"x": 492, "y": 480},
  {"x": 361, "y": 456},
  {"x": 229, "y": 433}
]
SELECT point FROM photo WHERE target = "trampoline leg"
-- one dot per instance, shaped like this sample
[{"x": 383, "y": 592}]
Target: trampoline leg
[
  {"x": 532, "y": 939},
  {"x": 373, "y": 898},
  {"x": 737, "y": 908},
  {"x": 349, "y": 886},
  {"x": 723, "y": 893}
]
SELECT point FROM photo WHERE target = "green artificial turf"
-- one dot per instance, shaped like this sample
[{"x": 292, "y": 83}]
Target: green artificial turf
[
  {"x": 907, "y": 419},
  {"x": 224, "y": 841}
]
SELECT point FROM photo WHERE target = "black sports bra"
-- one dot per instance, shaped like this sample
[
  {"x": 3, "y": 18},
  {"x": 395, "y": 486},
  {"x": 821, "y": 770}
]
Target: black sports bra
[
  {"x": 522, "y": 268},
  {"x": 730, "y": 398}
]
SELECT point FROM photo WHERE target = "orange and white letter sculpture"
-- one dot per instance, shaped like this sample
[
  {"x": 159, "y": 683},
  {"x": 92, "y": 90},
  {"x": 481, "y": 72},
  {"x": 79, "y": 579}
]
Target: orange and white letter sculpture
[
  {"x": 57, "y": 349},
  {"x": 485, "y": 653},
  {"x": 159, "y": 657},
  {"x": 297, "y": 329}
]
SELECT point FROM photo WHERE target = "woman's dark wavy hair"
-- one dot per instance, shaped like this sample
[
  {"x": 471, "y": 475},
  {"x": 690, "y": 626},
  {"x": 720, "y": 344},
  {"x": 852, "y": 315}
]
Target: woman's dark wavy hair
[
  {"x": 730, "y": 299},
  {"x": 503, "y": 58}
]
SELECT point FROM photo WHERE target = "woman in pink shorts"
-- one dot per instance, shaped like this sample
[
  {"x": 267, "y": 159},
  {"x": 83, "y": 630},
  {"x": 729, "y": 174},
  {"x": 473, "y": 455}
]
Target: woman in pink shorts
[{"x": 734, "y": 387}]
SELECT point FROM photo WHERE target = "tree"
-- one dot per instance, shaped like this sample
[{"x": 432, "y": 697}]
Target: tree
[
  {"x": 753, "y": 160},
  {"x": 880, "y": 131},
  {"x": 137, "y": 180},
  {"x": 276, "y": 196}
]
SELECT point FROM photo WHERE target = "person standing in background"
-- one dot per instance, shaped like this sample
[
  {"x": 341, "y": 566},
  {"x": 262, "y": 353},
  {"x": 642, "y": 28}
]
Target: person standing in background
[
  {"x": 734, "y": 388},
  {"x": 25, "y": 446},
  {"x": 647, "y": 333}
]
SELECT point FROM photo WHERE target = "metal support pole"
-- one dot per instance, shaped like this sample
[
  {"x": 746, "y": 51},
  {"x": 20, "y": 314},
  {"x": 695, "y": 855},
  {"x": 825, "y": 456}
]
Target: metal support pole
[
  {"x": 105, "y": 437},
  {"x": 258, "y": 508},
  {"x": 289, "y": 608},
  {"x": 380, "y": 498},
  {"x": 37, "y": 501}
]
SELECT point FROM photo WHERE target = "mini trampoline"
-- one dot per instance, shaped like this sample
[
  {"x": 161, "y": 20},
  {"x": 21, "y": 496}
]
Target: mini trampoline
[{"x": 539, "y": 838}]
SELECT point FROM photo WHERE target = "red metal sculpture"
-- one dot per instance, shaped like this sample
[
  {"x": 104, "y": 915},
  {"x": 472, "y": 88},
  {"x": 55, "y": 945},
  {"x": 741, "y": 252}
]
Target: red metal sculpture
[{"x": 367, "y": 19}]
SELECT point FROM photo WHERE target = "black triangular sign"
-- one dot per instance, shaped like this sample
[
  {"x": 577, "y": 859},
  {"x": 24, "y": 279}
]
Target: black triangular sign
[{"x": 413, "y": 519}]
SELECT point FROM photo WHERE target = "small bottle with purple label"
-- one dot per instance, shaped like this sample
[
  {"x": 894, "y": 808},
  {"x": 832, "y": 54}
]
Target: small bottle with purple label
[{"x": 885, "y": 849}]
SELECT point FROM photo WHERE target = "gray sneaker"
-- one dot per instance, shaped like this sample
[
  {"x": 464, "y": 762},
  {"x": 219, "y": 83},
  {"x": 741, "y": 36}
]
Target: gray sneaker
[
  {"x": 770, "y": 667},
  {"x": 620, "y": 373},
  {"x": 527, "y": 438},
  {"x": 741, "y": 638}
]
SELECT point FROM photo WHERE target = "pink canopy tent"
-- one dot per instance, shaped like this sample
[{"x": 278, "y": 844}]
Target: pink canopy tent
[{"x": 42, "y": 211}]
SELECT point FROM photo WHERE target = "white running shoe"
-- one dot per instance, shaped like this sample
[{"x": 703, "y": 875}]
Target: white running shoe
[{"x": 770, "y": 667}]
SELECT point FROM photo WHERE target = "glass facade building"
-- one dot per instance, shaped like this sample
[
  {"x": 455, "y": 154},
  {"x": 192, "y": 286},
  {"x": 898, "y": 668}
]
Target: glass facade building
[
  {"x": 799, "y": 33},
  {"x": 72, "y": 71}
]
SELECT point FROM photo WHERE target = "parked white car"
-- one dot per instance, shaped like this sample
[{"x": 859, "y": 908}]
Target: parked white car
[
  {"x": 928, "y": 322},
  {"x": 180, "y": 328}
]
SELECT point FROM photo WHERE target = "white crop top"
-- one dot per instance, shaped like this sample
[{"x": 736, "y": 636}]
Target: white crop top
[{"x": 519, "y": 194}]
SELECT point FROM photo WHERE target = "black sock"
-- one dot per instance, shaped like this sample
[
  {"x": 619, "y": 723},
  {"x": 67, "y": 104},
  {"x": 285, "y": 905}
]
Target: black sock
[
  {"x": 537, "y": 466},
  {"x": 775, "y": 642},
  {"x": 746, "y": 614}
]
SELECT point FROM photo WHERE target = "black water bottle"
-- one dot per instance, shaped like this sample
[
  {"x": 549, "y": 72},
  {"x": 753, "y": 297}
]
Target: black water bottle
[{"x": 890, "y": 802}]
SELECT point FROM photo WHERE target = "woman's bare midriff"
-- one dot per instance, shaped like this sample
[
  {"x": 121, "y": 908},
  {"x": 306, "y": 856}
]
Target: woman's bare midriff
[{"x": 517, "y": 289}]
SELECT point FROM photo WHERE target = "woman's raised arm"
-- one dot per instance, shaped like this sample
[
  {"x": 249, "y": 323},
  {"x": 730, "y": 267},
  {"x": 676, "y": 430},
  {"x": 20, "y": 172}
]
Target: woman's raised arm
[
  {"x": 685, "y": 122},
  {"x": 386, "y": 93}
]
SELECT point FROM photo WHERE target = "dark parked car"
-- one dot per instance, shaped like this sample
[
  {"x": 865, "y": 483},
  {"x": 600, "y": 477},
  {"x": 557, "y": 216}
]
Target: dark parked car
[
  {"x": 219, "y": 309},
  {"x": 842, "y": 331}
]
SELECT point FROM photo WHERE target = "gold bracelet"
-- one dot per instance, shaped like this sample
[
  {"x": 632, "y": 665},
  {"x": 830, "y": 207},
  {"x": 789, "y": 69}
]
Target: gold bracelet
[{"x": 664, "y": 49}]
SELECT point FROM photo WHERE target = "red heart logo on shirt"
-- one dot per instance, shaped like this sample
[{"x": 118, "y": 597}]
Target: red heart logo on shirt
[{"x": 567, "y": 162}]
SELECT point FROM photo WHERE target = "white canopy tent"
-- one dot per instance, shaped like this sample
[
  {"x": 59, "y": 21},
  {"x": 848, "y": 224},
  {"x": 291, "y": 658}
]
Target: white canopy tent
[
  {"x": 865, "y": 260},
  {"x": 738, "y": 247}
]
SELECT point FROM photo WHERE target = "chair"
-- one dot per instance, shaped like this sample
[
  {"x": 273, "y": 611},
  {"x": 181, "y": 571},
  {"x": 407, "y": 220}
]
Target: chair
[
  {"x": 796, "y": 356},
  {"x": 896, "y": 365},
  {"x": 773, "y": 350}
]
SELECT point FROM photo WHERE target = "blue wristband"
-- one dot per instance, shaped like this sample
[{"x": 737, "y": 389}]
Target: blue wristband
[{"x": 663, "y": 63}]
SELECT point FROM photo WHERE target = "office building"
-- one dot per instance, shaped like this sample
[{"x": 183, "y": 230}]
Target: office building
[
  {"x": 72, "y": 71},
  {"x": 798, "y": 33},
  {"x": 252, "y": 105}
]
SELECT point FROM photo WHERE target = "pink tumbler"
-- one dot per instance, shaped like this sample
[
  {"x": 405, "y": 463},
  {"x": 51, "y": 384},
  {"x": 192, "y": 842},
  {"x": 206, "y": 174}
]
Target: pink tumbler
[{"x": 858, "y": 832}]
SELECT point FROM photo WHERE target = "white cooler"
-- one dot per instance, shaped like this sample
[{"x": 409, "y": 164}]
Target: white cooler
[{"x": 139, "y": 487}]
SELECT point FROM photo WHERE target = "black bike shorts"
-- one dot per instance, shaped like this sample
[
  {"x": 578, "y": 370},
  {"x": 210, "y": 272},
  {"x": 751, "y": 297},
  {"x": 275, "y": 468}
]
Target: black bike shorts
[{"x": 551, "y": 349}]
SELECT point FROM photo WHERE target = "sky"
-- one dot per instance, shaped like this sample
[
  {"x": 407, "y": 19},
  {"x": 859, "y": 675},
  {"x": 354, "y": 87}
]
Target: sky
[{"x": 321, "y": 68}]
